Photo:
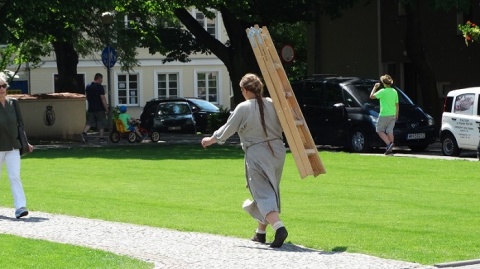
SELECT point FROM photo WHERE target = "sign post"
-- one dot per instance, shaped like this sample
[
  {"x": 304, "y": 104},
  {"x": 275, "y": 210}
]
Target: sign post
[{"x": 109, "y": 58}]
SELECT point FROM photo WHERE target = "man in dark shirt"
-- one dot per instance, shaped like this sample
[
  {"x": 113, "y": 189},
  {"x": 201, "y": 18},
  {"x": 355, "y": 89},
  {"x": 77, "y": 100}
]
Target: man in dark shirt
[{"x": 97, "y": 107}]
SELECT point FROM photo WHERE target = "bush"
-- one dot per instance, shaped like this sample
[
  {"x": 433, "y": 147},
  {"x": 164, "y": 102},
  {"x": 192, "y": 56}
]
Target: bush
[{"x": 215, "y": 121}]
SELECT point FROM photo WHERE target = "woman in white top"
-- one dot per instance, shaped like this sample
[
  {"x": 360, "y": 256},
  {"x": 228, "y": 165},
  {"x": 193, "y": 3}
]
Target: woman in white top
[{"x": 256, "y": 122}]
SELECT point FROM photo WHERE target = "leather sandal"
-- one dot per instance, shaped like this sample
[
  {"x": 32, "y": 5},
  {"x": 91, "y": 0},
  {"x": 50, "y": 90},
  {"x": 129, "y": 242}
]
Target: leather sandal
[
  {"x": 261, "y": 238},
  {"x": 280, "y": 236}
]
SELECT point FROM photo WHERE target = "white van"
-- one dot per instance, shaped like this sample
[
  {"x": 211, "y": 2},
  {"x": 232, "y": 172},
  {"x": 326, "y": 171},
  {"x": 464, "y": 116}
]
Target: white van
[{"x": 461, "y": 121}]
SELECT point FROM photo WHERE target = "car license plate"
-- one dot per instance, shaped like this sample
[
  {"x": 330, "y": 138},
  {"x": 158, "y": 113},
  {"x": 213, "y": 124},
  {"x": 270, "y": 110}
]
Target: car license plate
[
  {"x": 174, "y": 128},
  {"x": 416, "y": 136}
]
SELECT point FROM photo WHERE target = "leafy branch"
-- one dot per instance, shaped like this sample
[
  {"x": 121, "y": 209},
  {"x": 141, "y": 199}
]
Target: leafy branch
[{"x": 470, "y": 31}]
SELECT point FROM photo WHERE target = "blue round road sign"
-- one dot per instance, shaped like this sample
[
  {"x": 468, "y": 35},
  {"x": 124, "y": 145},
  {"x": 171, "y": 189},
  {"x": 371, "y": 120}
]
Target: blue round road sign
[{"x": 106, "y": 60}]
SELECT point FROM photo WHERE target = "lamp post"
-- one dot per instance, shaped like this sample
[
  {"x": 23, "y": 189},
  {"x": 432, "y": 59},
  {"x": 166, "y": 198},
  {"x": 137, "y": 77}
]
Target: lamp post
[{"x": 107, "y": 20}]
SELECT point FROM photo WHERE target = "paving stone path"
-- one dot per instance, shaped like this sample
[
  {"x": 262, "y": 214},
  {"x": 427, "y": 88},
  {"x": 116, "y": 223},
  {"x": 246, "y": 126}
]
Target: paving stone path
[{"x": 173, "y": 249}]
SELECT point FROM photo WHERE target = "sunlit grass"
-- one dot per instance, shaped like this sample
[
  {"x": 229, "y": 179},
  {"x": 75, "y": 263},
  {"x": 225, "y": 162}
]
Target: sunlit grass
[
  {"x": 21, "y": 253},
  {"x": 418, "y": 210}
]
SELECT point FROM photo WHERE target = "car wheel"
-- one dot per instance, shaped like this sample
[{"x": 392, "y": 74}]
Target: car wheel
[
  {"x": 132, "y": 137},
  {"x": 115, "y": 137},
  {"x": 450, "y": 146},
  {"x": 155, "y": 136},
  {"x": 418, "y": 148},
  {"x": 359, "y": 141}
]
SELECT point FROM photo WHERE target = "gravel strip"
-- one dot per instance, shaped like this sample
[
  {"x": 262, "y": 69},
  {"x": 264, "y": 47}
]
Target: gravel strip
[{"x": 173, "y": 249}]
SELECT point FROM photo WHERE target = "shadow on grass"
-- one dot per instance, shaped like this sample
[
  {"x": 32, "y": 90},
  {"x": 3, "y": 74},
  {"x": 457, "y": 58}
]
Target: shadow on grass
[{"x": 143, "y": 152}]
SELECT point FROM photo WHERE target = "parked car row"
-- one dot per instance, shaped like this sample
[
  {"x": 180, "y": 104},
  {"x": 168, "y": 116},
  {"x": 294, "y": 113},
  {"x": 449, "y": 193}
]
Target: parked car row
[{"x": 339, "y": 112}]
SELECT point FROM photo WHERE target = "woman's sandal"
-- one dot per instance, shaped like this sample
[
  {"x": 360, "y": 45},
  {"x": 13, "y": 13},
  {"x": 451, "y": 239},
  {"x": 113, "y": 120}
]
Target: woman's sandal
[
  {"x": 261, "y": 238},
  {"x": 280, "y": 236}
]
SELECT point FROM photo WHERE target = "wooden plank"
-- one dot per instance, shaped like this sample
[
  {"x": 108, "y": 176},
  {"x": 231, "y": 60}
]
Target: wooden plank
[{"x": 291, "y": 118}]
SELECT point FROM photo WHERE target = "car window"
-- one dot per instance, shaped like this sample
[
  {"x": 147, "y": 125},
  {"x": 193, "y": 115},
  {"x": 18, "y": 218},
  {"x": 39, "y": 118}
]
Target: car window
[
  {"x": 333, "y": 94},
  {"x": 447, "y": 107},
  {"x": 174, "y": 109},
  {"x": 204, "y": 105},
  {"x": 464, "y": 104},
  {"x": 362, "y": 91},
  {"x": 313, "y": 94},
  {"x": 149, "y": 109},
  {"x": 351, "y": 102}
]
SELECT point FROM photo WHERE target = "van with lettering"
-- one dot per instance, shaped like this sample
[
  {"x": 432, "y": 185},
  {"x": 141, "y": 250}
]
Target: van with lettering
[{"x": 461, "y": 121}]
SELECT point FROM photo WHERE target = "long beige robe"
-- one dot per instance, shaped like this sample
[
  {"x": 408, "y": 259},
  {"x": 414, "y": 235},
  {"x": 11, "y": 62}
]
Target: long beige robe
[{"x": 264, "y": 155}]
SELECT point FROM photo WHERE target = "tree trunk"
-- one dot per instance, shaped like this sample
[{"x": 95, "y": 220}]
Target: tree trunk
[
  {"x": 416, "y": 52},
  {"x": 67, "y": 61},
  {"x": 237, "y": 54}
]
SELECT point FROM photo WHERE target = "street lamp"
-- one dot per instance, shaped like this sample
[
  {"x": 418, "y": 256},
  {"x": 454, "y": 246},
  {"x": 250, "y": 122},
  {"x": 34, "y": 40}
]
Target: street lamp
[{"x": 107, "y": 20}]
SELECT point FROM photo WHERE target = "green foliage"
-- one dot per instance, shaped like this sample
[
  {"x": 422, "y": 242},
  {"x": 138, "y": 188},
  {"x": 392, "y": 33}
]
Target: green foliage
[
  {"x": 383, "y": 206},
  {"x": 35, "y": 25},
  {"x": 27, "y": 52},
  {"x": 156, "y": 25},
  {"x": 115, "y": 112},
  {"x": 470, "y": 31},
  {"x": 294, "y": 34},
  {"x": 460, "y": 5},
  {"x": 215, "y": 121}
]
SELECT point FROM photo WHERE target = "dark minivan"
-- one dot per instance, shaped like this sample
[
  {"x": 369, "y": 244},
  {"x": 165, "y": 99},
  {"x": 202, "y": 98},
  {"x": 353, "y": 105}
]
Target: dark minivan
[{"x": 339, "y": 112}]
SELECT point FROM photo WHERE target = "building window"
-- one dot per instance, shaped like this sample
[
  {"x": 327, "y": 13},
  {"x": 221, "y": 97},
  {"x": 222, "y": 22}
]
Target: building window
[
  {"x": 128, "y": 89},
  {"x": 208, "y": 24},
  {"x": 207, "y": 86},
  {"x": 167, "y": 85}
]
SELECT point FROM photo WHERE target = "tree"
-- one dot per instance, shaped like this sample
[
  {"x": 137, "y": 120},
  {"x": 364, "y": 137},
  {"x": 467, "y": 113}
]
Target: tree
[
  {"x": 36, "y": 28},
  {"x": 74, "y": 29},
  {"x": 416, "y": 49},
  {"x": 237, "y": 16},
  {"x": 295, "y": 35}
]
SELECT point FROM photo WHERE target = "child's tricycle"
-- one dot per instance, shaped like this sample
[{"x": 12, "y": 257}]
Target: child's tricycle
[{"x": 120, "y": 132}]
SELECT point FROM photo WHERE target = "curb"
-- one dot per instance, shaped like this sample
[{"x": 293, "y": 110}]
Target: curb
[{"x": 457, "y": 263}]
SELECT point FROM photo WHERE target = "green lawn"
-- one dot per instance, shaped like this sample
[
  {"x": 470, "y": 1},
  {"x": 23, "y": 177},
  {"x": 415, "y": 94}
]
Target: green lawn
[
  {"x": 418, "y": 210},
  {"x": 21, "y": 253}
]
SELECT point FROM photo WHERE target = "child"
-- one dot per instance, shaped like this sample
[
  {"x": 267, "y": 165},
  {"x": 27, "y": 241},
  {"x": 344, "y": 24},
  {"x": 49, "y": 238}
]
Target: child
[{"x": 128, "y": 122}]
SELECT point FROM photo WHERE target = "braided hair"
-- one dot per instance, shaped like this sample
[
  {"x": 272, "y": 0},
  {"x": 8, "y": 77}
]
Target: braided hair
[{"x": 252, "y": 83}]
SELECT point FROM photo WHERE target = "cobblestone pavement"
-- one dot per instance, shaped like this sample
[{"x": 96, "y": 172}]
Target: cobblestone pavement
[{"x": 173, "y": 249}]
